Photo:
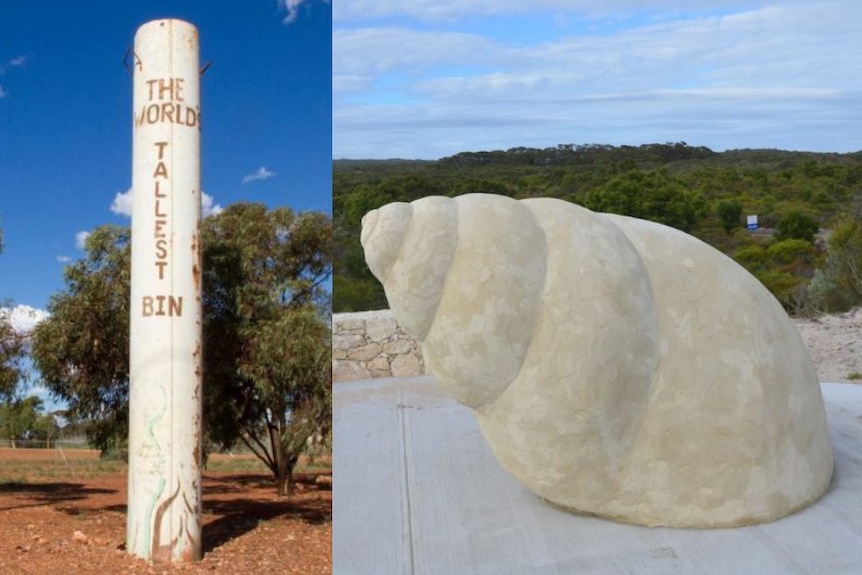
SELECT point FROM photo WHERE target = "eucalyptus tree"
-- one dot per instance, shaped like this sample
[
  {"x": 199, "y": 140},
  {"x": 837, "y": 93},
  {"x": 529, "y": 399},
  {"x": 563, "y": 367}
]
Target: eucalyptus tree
[
  {"x": 267, "y": 370},
  {"x": 11, "y": 349}
]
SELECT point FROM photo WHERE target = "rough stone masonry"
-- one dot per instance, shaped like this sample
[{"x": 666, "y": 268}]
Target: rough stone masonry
[{"x": 371, "y": 344}]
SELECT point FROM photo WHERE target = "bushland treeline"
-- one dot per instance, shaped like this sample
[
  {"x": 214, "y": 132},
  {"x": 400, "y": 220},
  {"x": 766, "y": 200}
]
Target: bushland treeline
[{"x": 808, "y": 250}]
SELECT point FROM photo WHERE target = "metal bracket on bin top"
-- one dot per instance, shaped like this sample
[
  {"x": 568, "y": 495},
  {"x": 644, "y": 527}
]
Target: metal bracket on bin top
[{"x": 130, "y": 53}]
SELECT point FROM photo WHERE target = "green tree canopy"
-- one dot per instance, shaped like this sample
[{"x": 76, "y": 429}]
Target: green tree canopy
[
  {"x": 12, "y": 349},
  {"x": 797, "y": 224},
  {"x": 784, "y": 267},
  {"x": 768, "y": 183},
  {"x": 655, "y": 196},
  {"x": 82, "y": 349},
  {"x": 289, "y": 360},
  {"x": 838, "y": 285},
  {"x": 23, "y": 419},
  {"x": 481, "y": 186},
  {"x": 263, "y": 297},
  {"x": 260, "y": 267},
  {"x": 730, "y": 214}
]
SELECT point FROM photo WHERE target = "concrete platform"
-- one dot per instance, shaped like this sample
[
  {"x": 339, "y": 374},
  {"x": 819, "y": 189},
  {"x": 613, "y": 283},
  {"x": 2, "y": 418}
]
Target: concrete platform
[{"x": 416, "y": 491}]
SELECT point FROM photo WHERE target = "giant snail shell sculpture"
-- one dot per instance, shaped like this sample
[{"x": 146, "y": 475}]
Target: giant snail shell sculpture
[{"x": 617, "y": 367}]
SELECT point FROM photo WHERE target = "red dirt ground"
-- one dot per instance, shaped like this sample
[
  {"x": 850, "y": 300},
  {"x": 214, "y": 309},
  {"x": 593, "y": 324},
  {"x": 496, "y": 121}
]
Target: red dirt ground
[{"x": 247, "y": 529}]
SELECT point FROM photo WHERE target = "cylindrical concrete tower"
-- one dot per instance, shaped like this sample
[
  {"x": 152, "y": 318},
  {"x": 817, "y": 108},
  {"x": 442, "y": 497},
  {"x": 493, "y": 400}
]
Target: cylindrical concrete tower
[{"x": 164, "y": 512}]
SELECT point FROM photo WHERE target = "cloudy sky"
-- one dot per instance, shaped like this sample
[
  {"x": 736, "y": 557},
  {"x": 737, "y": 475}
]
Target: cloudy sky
[{"x": 430, "y": 78}]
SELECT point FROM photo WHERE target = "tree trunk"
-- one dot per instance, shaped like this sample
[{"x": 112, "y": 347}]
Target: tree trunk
[{"x": 283, "y": 483}]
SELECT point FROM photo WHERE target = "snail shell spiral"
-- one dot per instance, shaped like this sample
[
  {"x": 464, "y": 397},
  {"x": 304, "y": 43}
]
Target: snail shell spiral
[{"x": 616, "y": 366}]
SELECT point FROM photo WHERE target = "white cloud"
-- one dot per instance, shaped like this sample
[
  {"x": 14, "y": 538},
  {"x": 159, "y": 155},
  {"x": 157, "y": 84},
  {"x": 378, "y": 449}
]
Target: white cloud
[
  {"x": 292, "y": 7},
  {"x": 261, "y": 174},
  {"x": 377, "y": 50},
  {"x": 351, "y": 83},
  {"x": 122, "y": 204},
  {"x": 209, "y": 207},
  {"x": 448, "y": 10},
  {"x": 17, "y": 62},
  {"x": 744, "y": 76},
  {"x": 81, "y": 239},
  {"x": 23, "y": 317},
  {"x": 64, "y": 259}
]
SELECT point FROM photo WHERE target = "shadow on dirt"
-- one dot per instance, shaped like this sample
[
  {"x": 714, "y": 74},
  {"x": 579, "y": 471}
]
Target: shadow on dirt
[
  {"x": 37, "y": 494},
  {"x": 232, "y": 505},
  {"x": 236, "y": 483},
  {"x": 237, "y": 516}
]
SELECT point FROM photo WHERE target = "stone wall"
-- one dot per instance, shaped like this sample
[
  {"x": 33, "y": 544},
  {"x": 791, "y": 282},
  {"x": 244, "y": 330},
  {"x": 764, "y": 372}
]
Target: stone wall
[{"x": 371, "y": 344}]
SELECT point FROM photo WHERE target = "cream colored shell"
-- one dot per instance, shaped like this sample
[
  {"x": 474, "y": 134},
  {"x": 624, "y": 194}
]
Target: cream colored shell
[{"x": 616, "y": 366}]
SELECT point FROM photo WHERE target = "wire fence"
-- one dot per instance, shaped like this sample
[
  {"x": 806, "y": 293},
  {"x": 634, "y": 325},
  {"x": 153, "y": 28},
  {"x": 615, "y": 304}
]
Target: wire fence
[
  {"x": 60, "y": 443},
  {"x": 316, "y": 447}
]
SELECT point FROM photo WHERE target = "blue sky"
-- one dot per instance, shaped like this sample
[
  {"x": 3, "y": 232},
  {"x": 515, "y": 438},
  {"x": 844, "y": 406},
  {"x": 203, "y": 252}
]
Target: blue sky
[
  {"x": 430, "y": 78},
  {"x": 66, "y": 119}
]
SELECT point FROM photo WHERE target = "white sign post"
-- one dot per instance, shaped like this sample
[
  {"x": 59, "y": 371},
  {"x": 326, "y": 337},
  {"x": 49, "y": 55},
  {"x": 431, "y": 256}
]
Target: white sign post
[
  {"x": 164, "y": 511},
  {"x": 751, "y": 222}
]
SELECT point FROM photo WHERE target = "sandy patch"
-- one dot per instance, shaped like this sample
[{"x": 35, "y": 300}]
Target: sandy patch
[{"x": 835, "y": 342}]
